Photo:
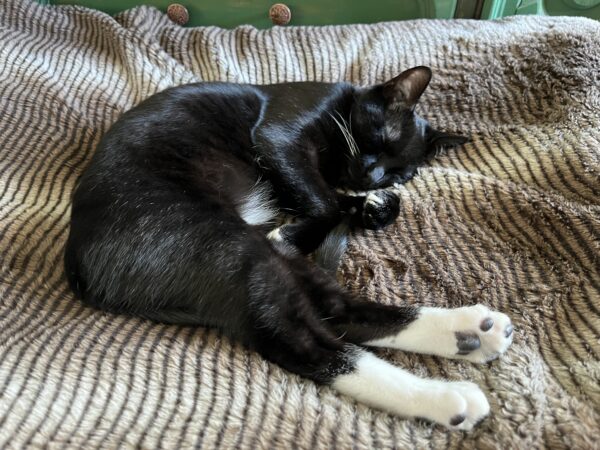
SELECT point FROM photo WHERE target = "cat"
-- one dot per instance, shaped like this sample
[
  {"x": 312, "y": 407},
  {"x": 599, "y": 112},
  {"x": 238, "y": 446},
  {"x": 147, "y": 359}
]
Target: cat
[{"x": 173, "y": 221}]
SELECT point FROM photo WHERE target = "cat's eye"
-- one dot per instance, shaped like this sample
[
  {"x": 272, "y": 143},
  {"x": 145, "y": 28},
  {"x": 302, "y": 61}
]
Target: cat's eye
[{"x": 369, "y": 160}]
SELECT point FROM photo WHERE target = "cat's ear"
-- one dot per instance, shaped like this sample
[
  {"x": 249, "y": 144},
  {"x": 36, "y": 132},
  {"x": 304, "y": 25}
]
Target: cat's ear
[
  {"x": 442, "y": 139},
  {"x": 406, "y": 89}
]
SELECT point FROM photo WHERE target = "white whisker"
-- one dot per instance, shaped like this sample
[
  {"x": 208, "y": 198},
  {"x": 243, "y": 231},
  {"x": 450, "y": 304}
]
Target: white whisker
[
  {"x": 343, "y": 126},
  {"x": 348, "y": 128}
]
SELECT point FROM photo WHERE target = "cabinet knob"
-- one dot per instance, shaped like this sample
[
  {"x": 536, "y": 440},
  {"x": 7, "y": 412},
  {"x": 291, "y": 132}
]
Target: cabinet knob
[
  {"x": 178, "y": 13},
  {"x": 280, "y": 14}
]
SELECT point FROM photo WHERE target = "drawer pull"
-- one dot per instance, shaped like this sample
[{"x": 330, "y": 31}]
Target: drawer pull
[
  {"x": 178, "y": 13},
  {"x": 280, "y": 14}
]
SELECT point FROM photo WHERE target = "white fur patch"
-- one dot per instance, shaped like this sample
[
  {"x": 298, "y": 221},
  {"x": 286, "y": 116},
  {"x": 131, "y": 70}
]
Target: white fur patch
[
  {"x": 373, "y": 198},
  {"x": 275, "y": 235},
  {"x": 258, "y": 206},
  {"x": 434, "y": 332},
  {"x": 378, "y": 383}
]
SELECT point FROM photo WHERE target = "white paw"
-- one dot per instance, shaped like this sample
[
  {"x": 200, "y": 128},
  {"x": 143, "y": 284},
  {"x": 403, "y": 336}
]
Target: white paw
[
  {"x": 375, "y": 382},
  {"x": 481, "y": 335},
  {"x": 473, "y": 333},
  {"x": 457, "y": 405}
]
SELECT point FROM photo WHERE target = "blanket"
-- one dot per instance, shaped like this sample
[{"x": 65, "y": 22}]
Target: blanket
[{"x": 511, "y": 220}]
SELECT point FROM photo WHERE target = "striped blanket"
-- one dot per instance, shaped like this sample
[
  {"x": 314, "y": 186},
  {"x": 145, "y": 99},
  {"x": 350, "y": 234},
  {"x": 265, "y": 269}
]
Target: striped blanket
[{"x": 511, "y": 220}]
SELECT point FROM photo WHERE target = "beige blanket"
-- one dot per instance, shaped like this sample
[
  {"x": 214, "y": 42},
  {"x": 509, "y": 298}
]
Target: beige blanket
[{"x": 511, "y": 220}]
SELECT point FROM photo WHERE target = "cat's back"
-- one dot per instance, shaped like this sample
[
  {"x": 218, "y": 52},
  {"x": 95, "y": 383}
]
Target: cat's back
[
  {"x": 188, "y": 115},
  {"x": 176, "y": 125},
  {"x": 170, "y": 129}
]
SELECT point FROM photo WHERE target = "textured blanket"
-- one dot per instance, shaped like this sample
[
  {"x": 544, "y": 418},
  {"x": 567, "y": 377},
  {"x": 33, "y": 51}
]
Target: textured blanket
[{"x": 511, "y": 220}]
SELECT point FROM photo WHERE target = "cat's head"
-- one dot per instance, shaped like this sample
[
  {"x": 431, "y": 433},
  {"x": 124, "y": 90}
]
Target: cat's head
[{"x": 391, "y": 139}]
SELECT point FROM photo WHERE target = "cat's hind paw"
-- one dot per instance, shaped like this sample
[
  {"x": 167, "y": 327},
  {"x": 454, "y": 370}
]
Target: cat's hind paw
[
  {"x": 474, "y": 333},
  {"x": 485, "y": 334},
  {"x": 461, "y": 405}
]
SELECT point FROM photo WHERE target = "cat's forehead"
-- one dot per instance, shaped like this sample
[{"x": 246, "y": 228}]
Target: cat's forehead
[{"x": 397, "y": 125}]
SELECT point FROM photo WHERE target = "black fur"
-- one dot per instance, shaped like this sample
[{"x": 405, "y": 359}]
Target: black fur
[{"x": 156, "y": 232}]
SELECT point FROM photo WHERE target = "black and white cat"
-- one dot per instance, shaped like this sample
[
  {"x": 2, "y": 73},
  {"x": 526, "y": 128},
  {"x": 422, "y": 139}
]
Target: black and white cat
[{"x": 170, "y": 223}]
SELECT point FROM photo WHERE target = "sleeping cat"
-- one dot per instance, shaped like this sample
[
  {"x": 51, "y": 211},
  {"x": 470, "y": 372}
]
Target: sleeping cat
[{"x": 173, "y": 220}]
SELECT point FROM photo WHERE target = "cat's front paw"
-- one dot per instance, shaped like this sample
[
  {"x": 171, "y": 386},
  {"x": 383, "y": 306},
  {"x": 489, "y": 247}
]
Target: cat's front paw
[
  {"x": 381, "y": 208},
  {"x": 482, "y": 335}
]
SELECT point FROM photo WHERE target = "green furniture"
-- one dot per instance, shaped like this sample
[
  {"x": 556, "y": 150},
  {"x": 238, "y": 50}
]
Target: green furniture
[
  {"x": 230, "y": 13},
  {"x": 493, "y": 9}
]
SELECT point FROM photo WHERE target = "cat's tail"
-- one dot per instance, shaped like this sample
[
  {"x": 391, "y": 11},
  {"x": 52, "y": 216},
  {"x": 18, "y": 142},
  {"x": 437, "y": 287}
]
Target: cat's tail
[{"x": 332, "y": 249}]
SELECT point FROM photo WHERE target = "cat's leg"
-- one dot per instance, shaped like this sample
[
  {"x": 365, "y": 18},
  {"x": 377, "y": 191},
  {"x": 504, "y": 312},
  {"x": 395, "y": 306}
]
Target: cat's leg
[
  {"x": 252, "y": 295},
  {"x": 289, "y": 331},
  {"x": 305, "y": 234},
  {"x": 320, "y": 208},
  {"x": 457, "y": 405},
  {"x": 287, "y": 298},
  {"x": 363, "y": 376},
  {"x": 302, "y": 190},
  {"x": 265, "y": 300},
  {"x": 474, "y": 333}
]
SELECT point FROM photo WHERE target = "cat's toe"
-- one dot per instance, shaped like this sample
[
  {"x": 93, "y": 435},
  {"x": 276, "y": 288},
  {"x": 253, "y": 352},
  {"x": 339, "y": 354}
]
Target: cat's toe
[
  {"x": 484, "y": 334},
  {"x": 380, "y": 209}
]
